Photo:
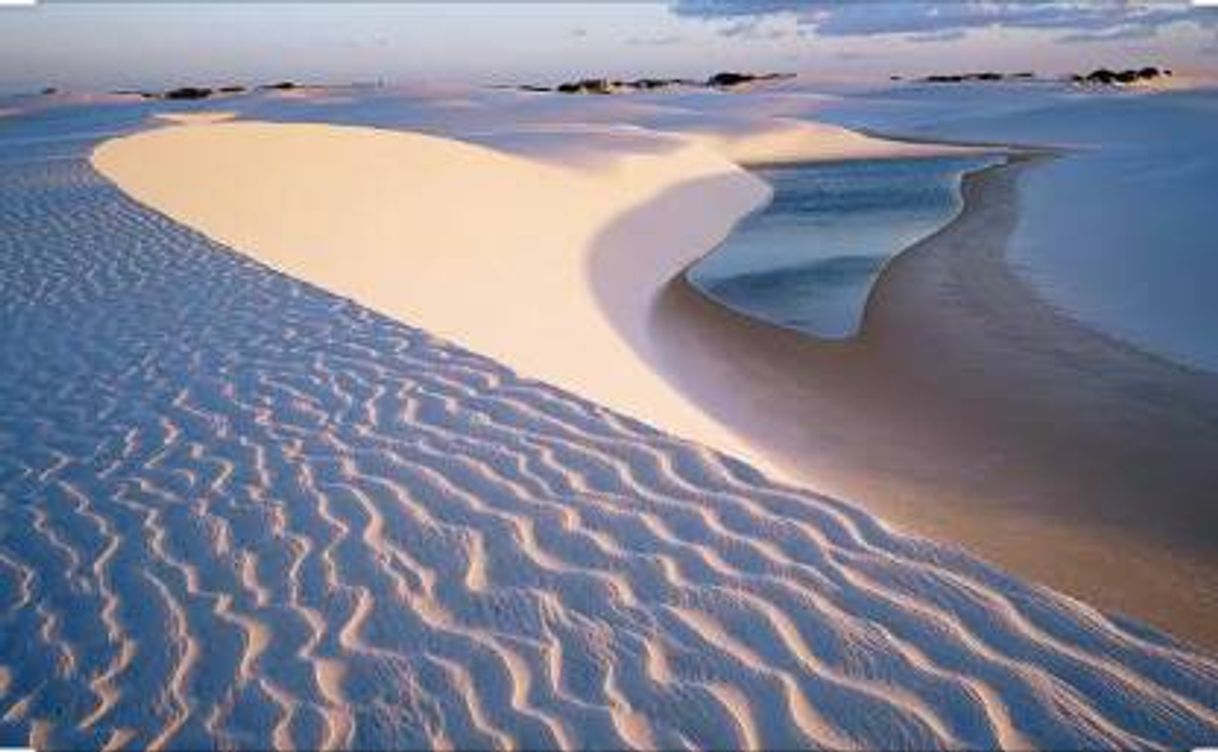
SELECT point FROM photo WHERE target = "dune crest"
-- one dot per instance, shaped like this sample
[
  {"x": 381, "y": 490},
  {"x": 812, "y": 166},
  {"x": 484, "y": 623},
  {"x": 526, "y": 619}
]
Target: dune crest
[
  {"x": 483, "y": 247},
  {"x": 476, "y": 245}
]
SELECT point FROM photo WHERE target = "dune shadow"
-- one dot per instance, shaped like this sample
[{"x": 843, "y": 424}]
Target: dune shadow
[{"x": 967, "y": 409}]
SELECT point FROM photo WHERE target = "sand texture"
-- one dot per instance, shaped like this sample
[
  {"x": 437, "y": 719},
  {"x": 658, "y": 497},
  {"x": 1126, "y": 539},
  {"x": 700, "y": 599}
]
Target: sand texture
[
  {"x": 242, "y": 511},
  {"x": 969, "y": 410},
  {"x": 488, "y": 248}
]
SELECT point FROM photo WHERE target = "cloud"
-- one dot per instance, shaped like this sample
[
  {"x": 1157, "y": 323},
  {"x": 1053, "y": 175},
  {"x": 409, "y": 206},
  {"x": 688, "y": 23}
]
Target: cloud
[
  {"x": 946, "y": 35},
  {"x": 741, "y": 28},
  {"x": 754, "y": 28},
  {"x": 926, "y": 20},
  {"x": 1211, "y": 47},
  {"x": 377, "y": 40},
  {"x": 661, "y": 41},
  {"x": 1129, "y": 31}
]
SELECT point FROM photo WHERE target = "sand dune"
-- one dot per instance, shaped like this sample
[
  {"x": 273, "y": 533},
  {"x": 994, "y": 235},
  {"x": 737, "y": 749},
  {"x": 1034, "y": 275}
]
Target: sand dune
[
  {"x": 241, "y": 511},
  {"x": 486, "y": 248}
]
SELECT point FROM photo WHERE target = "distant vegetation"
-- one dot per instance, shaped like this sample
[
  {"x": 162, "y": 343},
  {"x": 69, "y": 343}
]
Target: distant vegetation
[
  {"x": 188, "y": 92},
  {"x": 729, "y": 79},
  {"x": 203, "y": 92},
  {"x": 1100, "y": 76},
  {"x": 723, "y": 80},
  {"x": 606, "y": 86},
  {"x": 1105, "y": 77},
  {"x": 956, "y": 78}
]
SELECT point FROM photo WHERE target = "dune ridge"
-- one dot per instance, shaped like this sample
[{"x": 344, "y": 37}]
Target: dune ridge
[
  {"x": 241, "y": 511},
  {"x": 479, "y": 245}
]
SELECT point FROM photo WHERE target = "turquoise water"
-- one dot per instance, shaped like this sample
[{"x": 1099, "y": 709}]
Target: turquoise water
[
  {"x": 1120, "y": 232},
  {"x": 808, "y": 260}
]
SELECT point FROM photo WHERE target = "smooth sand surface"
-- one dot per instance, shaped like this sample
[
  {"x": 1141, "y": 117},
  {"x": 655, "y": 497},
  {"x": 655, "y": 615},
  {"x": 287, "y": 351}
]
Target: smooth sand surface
[
  {"x": 970, "y": 411},
  {"x": 486, "y": 248},
  {"x": 778, "y": 140},
  {"x": 241, "y": 512}
]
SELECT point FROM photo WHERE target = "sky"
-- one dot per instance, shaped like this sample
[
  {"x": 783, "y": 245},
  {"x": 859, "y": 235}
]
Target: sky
[{"x": 97, "y": 46}]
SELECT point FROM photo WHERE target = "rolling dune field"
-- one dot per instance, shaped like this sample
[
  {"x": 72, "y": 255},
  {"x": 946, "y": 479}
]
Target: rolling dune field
[{"x": 238, "y": 510}]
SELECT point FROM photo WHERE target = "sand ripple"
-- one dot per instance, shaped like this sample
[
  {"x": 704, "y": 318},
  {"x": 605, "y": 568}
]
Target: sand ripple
[{"x": 238, "y": 511}]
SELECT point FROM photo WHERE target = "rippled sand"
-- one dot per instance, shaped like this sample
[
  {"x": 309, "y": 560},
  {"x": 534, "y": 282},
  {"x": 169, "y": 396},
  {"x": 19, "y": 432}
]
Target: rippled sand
[{"x": 240, "y": 511}]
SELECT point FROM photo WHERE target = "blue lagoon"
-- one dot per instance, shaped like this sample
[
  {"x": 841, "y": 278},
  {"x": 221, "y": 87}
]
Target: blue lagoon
[{"x": 809, "y": 259}]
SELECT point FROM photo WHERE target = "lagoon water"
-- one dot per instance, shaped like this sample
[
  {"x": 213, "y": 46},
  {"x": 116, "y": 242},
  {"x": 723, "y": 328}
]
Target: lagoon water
[
  {"x": 808, "y": 260},
  {"x": 1119, "y": 233}
]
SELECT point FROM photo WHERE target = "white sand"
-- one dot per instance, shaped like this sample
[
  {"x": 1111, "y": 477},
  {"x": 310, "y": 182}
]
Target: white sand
[
  {"x": 251, "y": 516},
  {"x": 485, "y": 248}
]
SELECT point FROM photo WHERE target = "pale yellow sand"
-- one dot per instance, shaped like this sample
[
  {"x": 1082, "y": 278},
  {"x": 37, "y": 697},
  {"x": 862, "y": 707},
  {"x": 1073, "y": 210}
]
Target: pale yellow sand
[{"x": 484, "y": 248}]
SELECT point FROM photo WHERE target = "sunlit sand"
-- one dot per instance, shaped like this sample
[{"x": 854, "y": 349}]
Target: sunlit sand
[
  {"x": 483, "y": 247},
  {"x": 578, "y": 556},
  {"x": 348, "y": 404}
]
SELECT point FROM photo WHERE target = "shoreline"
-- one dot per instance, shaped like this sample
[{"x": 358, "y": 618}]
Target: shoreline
[
  {"x": 1006, "y": 153},
  {"x": 969, "y": 410}
]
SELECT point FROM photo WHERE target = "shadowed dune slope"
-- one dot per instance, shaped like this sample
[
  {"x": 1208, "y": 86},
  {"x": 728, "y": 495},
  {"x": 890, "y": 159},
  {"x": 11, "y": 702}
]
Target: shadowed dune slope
[
  {"x": 476, "y": 244},
  {"x": 240, "y": 511}
]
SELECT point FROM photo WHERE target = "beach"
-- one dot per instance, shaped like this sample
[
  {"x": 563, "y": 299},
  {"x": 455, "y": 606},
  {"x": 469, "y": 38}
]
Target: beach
[{"x": 327, "y": 435}]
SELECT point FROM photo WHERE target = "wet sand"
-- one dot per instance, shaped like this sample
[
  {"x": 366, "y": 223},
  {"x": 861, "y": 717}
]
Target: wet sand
[{"x": 971, "y": 411}]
